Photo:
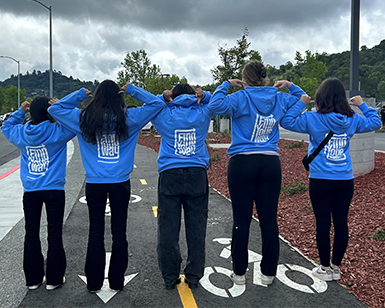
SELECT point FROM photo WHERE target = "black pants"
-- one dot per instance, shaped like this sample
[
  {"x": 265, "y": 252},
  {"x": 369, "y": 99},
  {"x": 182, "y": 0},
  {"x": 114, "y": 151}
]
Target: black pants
[
  {"x": 33, "y": 261},
  {"x": 255, "y": 178},
  {"x": 331, "y": 198},
  {"x": 119, "y": 195},
  {"x": 187, "y": 187}
]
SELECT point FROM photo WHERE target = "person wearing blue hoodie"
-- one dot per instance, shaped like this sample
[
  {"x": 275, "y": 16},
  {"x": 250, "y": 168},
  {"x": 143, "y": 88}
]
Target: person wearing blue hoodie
[
  {"x": 43, "y": 148},
  {"x": 182, "y": 163},
  {"x": 254, "y": 170},
  {"x": 107, "y": 133},
  {"x": 331, "y": 183}
]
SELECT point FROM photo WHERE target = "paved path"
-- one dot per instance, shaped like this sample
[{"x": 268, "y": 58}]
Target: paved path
[{"x": 294, "y": 286}]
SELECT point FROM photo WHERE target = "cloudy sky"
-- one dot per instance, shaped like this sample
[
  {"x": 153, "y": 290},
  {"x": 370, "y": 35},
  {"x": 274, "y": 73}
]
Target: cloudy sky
[{"x": 92, "y": 37}]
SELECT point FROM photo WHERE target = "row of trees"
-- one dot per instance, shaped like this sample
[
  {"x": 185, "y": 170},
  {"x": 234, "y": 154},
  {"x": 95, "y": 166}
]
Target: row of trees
[{"x": 308, "y": 71}]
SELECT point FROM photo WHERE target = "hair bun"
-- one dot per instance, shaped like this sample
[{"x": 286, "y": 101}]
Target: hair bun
[{"x": 263, "y": 73}]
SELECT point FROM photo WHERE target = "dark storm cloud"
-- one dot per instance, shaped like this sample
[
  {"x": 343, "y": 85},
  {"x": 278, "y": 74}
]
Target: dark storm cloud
[{"x": 216, "y": 17}]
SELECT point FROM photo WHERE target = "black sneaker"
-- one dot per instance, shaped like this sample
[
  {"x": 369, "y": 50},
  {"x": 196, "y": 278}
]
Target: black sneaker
[
  {"x": 171, "y": 286},
  {"x": 191, "y": 285}
]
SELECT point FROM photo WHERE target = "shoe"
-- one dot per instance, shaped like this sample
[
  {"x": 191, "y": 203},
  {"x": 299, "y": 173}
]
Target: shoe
[
  {"x": 94, "y": 291},
  {"x": 51, "y": 287},
  {"x": 238, "y": 279},
  {"x": 320, "y": 273},
  {"x": 191, "y": 285},
  {"x": 336, "y": 273},
  {"x": 35, "y": 286},
  {"x": 267, "y": 279},
  {"x": 172, "y": 286}
]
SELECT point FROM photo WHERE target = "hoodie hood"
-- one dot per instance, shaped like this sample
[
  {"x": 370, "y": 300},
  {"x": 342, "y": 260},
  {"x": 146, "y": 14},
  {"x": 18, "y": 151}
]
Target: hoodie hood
[
  {"x": 184, "y": 100},
  {"x": 38, "y": 134},
  {"x": 336, "y": 122},
  {"x": 266, "y": 97}
]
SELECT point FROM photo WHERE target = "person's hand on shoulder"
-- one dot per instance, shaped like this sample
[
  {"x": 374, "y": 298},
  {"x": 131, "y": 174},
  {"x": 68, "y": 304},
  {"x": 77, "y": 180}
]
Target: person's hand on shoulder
[
  {"x": 236, "y": 83},
  {"x": 88, "y": 92},
  {"x": 356, "y": 100},
  {"x": 123, "y": 89},
  {"x": 280, "y": 84},
  {"x": 200, "y": 94},
  {"x": 25, "y": 106},
  {"x": 167, "y": 95},
  {"x": 53, "y": 101},
  {"x": 306, "y": 99}
]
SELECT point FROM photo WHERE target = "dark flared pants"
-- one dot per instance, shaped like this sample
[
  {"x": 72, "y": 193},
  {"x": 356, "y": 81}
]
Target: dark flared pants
[
  {"x": 119, "y": 196},
  {"x": 187, "y": 187},
  {"x": 254, "y": 178},
  {"x": 33, "y": 261}
]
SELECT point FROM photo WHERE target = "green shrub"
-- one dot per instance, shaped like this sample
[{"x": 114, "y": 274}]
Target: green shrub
[
  {"x": 294, "y": 189},
  {"x": 379, "y": 235},
  {"x": 295, "y": 144},
  {"x": 215, "y": 157}
]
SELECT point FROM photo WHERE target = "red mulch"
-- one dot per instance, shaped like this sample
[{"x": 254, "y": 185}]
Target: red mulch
[{"x": 363, "y": 267}]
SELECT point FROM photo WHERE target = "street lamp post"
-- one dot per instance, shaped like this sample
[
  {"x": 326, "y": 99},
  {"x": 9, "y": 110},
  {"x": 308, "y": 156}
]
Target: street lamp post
[
  {"x": 49, "y": 8},
  {"x": 165, "y": 75},
  {"x": 18, "y": 78}
]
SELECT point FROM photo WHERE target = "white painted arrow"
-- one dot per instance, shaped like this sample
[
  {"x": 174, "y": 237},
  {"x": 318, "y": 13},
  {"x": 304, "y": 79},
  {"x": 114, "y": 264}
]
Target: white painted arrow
[{"x": 105, "y": 293}]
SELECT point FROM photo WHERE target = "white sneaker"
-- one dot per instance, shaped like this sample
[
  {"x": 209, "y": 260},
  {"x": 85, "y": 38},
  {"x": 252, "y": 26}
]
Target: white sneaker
[
  {"x": 35, "y": 286},
  {"x": 336, "y": 273},
  {"x": 50, "y": 287},
  {"x": 238, "y": 279},
  {"x": 320, "y": 273},
  {"x": 267, "y": 279}
]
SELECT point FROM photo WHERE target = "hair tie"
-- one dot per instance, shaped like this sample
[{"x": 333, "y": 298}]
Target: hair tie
[{"x": 263, "y": 73}]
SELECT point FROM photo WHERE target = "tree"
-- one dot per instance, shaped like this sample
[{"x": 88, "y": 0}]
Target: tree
[
  {"x": 10, "y": 97},
  {"x": 234, "y": 59},
  {"x": 381, "y": 90},
  {"x": 310, "y": 72},
  {"x": 138, "y": 69}
]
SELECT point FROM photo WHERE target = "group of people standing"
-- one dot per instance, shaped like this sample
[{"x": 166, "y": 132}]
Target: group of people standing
[{"x": 107, "y": 132}]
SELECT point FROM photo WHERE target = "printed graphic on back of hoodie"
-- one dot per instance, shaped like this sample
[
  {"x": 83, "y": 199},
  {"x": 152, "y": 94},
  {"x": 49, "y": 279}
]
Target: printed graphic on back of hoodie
[
  {"x": 38, "y": 160},
  {"x": 185, "y": 141},
  {"x": 262, "y": 128},
  {"x": 334, "y": 150},
  {"x": 108, "y": 149}
]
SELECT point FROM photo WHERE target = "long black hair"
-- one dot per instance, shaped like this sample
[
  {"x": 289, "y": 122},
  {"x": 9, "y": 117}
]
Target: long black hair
[
  {"x": 38, "y": 110},
  {"x": 331, "y": 97},
  {"x": 182, "y": 88},
  {"x": 105, "y": 114}
]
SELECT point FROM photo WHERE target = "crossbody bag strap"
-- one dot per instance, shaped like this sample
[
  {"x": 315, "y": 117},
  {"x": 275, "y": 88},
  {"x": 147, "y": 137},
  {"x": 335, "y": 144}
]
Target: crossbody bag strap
[{"x": 320, "y": 147}]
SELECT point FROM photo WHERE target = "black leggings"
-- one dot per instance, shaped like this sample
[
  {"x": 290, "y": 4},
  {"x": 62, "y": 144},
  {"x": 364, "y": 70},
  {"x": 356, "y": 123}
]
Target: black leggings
[
  {"x": 331, "y": 198},
  {"x": 255, "y": 178}
]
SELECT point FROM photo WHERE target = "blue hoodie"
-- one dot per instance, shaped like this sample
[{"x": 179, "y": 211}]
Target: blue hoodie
[
  {"x": 183, "y": 126},
  {"x": 43, "y": 150},
  {"x": 255, "y": 113},
  {"x": 334, "y": 161},
  {"x": 108, "y": 161}
]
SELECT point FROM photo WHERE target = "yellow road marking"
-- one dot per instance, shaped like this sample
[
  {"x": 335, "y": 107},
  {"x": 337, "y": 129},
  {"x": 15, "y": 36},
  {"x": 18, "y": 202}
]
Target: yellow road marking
[
  {"x": 155, "y": 210},
  {"x": 186, "y": 295},
  {"x": 143, "y": 181}
]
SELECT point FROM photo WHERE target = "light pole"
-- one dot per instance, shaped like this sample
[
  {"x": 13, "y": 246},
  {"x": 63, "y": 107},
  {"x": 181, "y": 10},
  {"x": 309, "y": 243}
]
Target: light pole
[
  {"x": 165, "y": 75},
  {"x": 18, "y": 78},
  {"x": 49, "y": 8},
  {"x": 354, "y": 53}
]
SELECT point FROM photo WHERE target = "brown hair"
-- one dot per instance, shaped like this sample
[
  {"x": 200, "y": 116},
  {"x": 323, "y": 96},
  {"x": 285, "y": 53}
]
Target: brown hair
[
  {"x": 331, "y": 97},
  {"x": 254, "y": 73}
]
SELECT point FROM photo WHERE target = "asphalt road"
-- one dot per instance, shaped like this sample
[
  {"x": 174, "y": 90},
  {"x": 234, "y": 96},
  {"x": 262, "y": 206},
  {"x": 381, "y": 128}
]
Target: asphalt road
[{"x": 293, "y": 287}]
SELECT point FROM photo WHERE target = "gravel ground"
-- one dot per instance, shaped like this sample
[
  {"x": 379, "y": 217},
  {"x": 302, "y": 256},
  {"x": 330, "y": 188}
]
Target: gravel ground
[{"x": 362, "y": 269}]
